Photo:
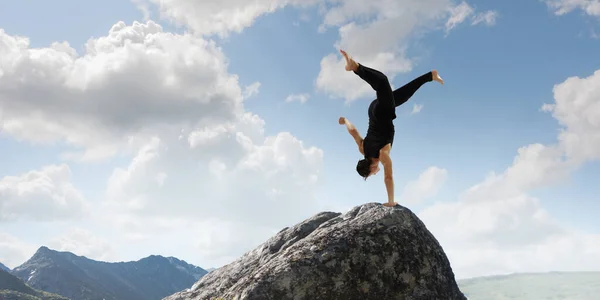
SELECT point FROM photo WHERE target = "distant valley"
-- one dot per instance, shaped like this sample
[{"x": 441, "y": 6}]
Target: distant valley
[{"x": 538, "y": 286}]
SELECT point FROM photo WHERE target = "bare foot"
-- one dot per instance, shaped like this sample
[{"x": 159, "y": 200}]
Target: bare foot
[
  {"x": 436, "y": 77},
  {"x": 390, "y": 204},
  {"x": 351, "y": 65}
]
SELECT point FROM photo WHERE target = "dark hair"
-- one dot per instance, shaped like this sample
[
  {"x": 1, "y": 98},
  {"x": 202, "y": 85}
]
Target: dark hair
[{"x": 363, "y": 167}]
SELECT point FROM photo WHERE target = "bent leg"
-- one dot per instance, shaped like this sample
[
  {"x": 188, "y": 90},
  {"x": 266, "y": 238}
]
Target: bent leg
[
  {"x": 379, "y": 82},
  {"x": 402, "y": 94},
  {"x": 375, "y": 78}
]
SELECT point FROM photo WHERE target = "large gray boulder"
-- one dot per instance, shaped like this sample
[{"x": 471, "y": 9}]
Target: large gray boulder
[{"x": 372, "y": 252}]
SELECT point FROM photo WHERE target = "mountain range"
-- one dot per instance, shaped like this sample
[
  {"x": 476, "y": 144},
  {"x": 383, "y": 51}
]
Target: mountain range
[
  {"x": 552, "y": 285},
  {"x": 77, "y": 277}
]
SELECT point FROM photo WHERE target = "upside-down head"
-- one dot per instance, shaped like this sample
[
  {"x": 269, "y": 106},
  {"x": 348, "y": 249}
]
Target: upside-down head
[{"x": 366, "y": 167}]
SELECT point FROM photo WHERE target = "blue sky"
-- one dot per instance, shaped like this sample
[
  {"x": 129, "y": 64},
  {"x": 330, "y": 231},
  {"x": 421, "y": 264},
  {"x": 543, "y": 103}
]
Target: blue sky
[
  {"x": 474, "y": 124},
  {"x": 497, "y": 79}
]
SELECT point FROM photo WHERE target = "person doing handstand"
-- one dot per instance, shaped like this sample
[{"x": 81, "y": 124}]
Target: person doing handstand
[{"x": 377, "y": 144}]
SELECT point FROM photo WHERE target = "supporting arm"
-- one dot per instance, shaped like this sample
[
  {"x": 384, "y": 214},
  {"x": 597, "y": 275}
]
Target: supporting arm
[{"x": 388, "y": 178}]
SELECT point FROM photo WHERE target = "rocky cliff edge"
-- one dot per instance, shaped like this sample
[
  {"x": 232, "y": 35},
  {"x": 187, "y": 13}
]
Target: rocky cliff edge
[{"x": 372, "y": 252}]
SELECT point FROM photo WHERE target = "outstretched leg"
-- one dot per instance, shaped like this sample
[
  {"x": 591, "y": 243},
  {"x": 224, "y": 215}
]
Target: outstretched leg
[{"x": 402, "y": 94}]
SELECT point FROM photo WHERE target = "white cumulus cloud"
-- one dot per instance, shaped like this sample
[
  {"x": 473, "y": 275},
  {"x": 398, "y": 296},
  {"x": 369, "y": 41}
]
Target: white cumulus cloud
[
  {"x": 424, "y": 187},
  {"x": 577, "y": 108},
  {"x": 134, "y": 80},
  {"x": 228, "y": 179},
  {"x": 14, "y": 251},
  {"x": 387, "y": 25},
  {"x": 218, "y": 17},
  {"x": 168, "y": 103},
  {"x": 497, "y": 227},
  {"x": 84, "y": 243},
  {"x": 226, "y": 171},
  {"x": 41, "y": 195}
]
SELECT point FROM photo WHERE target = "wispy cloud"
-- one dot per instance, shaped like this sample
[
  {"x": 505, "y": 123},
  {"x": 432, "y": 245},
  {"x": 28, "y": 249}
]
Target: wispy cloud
[
  {"x": 561, "y": 7},
  {"x": 251, "y": 90},
  {"x": 460, "y": 13},
  {"x": 416, "y": 109},
  {"x": 488, "y": 18},
  {"x": 302, "y": 98}
]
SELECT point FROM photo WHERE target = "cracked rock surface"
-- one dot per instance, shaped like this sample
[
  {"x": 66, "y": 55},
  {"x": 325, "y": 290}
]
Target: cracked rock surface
[{"x": 371, "y": 252}]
